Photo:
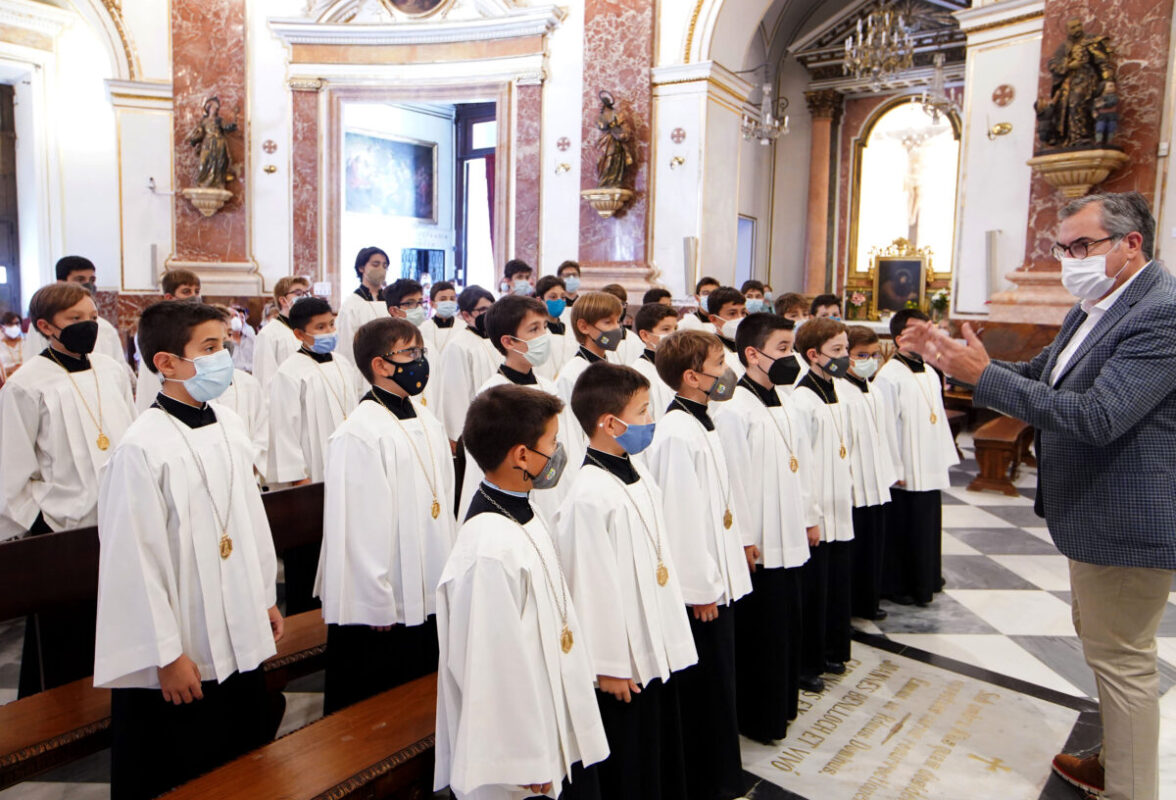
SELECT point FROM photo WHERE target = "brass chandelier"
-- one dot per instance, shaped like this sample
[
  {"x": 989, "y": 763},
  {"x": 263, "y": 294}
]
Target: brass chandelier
[{"x": 880, "y": 47}]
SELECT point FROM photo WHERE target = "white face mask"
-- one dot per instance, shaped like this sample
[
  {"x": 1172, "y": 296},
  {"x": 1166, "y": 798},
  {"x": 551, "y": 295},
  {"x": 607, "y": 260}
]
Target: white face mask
[
  {"x": 235, "y": 324},
  {"x": 730, "y": 328},
  {"x": 1086, "y": 278},
  {"x": 415, "y": 315},
  {"x": 865, "y": 368},
  {"x": 538, "y": 349},
  {"x": 12, "y": 331}
]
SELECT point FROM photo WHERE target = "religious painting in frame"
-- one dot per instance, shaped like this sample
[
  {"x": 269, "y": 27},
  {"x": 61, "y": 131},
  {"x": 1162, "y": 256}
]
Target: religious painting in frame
[
  {"x": 900, "y": 281},
  {"x": 417, "y": 8},
  {"x": 390, "y": 175}
]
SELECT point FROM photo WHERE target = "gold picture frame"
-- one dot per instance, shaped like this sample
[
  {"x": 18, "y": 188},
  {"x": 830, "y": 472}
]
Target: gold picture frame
[
  {"x": 900, "y": 274},
  {"x": 390, "y": 175}
]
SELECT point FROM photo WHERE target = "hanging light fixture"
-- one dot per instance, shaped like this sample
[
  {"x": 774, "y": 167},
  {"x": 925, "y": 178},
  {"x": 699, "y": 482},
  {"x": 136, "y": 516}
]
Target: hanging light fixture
[
  {"x": 771, "y": 124},
  {"x": 934, "y": 99},
  {"x": 880, "y": 47}
]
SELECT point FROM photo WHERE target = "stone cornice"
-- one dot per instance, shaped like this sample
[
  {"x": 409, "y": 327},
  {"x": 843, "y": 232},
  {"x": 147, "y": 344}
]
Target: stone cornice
[
  {"x": 536, "y": 21},
  {"x": 39, "y": 18}
]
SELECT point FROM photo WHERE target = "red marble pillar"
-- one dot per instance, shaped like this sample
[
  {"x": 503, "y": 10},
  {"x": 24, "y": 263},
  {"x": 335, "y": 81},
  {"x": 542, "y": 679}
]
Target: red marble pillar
[
  {"x": 304, "y": 177},
  {"x": 208, "y": 60},
  {"x": 527, "y": 169},
  {"x": 825, "y": 106},
  {"x": 618, "y": 49},
  {"x": 1139, "y": 31}
]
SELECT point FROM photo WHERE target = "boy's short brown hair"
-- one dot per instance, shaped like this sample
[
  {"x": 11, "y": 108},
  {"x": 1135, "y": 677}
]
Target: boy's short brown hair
[
  {"x": 791, "y": 301},
  {"x": 683, "y": 350},
  {"x": 503, "y": 417},
  {"x": 617, "y": 291},
  {"x": 859, "y": 335},
  {"x": 592, "y": 307},
  {"x": 284, "y": 285},
  {"x": 604, "y": 388},
  {"x": 173, "y": 279},
  {"x": 53, "y": 299},
  {"x": 814, "y": 333},
  {"x": 379, "y": 337}
]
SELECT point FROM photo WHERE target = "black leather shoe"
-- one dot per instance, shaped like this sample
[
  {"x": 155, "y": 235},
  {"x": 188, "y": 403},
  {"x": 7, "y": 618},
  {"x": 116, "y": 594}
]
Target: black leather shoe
[
  {"x": 811, "y": 684},
  {"x": 877, "y": 616},
  {"x": 902, "y": 599},
  {"x": 834, "y": 668}
]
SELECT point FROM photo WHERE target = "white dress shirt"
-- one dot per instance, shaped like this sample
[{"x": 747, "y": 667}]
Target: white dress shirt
[{"x": 1094, "y": 312}]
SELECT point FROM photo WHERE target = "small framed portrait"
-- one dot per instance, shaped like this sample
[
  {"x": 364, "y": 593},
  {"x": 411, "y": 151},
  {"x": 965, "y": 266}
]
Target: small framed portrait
[{"x": 899, "y": 282}]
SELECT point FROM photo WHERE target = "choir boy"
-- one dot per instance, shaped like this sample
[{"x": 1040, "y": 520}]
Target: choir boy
[
  {"x": 753, "y": 293},
  {"x": 699, "y": 320},
  {"x": 615, "y": 551},
  {"x": 177, "y": 284},
  {"x": 518, "y": 278},
  {"x": 654, "y": 322},
  {"x": 686, "y": 459},
  {"x": 467, "y": 362},
  {"x": 551, "y": 292},
  {"x": 727, "y": 309},
  {"x": 405, "y": 300},
  {"x": 874, "y": 465},
  {"x": 658, "y": 295},
  {"x": 516, "y": 711},
  {"x": 186, "y": 581},
  {"x": 768, "y": 454},
  {"x": 439, "y": 329},
  {"x": 629, "y": 350},
  {"x": 59, "y": 417},
  {"x": 517, "y": 326},
  {"x": 569, "y": 272},
  {"x": 387, "y": 525},
  {"x": 596, "y": 324},
  {"x": 792, "y": 306},
  {"x": 826, "y": 305},
  {"x": 915, "y": 521},
  {"x": 310, "y": 396},
  {"x": 826, "y": 578},
  {"x": 81, "y": 271},
  {"x": 365, "y": 303},
  {"x": 277, "y": 341}
]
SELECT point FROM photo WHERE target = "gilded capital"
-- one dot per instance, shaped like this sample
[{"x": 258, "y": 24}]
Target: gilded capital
[
  {"x": 307, "y": 84},
  {"x": 824, "y": 104}
]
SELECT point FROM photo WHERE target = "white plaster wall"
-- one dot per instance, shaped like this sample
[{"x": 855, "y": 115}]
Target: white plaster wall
[
  {"x": 720, "y": 192},
  {"x": 562, "y": 110},
  {"x": 755, "y": 199},
  {"x": 994, "y": 178},
  {"x": 145, "y": 152},
  {"x": 676, "y": 208},
  {"x": 790, "y": 184},
  {"x": 149, "y": 24}
]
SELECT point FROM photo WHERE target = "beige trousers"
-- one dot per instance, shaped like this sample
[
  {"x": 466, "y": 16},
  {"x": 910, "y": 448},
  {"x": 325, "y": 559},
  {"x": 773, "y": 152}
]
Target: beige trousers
[{"x": 1117, "y": 612}]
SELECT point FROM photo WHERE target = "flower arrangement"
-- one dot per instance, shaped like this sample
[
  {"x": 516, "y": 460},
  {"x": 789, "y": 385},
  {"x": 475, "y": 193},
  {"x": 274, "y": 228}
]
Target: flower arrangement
[
  {"x": 939, "y": 302},
  {"x": 856, "y": 302}
]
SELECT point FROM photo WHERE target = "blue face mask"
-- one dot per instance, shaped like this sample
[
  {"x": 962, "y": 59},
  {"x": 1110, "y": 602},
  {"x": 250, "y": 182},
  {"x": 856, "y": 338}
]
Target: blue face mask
[
  {"x": 522, "y": 287},
  {"x": 446, "y": 309},
  {"x": 755, "y": 305},
  {"x": 324, "y": 343},
  {"x": 636, "y": 437},
  {"x": 572, "y": 284},
  {"x": 556, "y": 307},
  {"x": 214, "y": 374}
]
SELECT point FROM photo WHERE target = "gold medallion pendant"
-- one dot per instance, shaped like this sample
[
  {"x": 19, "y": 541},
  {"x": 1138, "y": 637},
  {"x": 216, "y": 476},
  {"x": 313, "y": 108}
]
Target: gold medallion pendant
[
  {"x": 565, "y": 639},
  {"x": 843, "y": 453},
  {"x": 728, "y": 520},
  {"x": 436, "y": 508},
  {"x": 103, "y": 442},
  {"x": 226, "y": 546},
  {"x": 663, "y": 574},
  {"x": 934, "y": 418},
  {"x": 793, "y": 464}
]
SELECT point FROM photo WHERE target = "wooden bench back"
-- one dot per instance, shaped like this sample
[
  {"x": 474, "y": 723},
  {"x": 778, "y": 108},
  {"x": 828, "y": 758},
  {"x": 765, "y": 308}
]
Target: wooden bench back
[{"x": 59, "y": 569}]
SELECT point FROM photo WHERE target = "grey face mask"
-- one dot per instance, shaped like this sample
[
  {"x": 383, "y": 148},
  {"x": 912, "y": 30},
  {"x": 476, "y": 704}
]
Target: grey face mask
[
  {"x": 724, "y": 386},
  {"x": 549, "y": 475}
]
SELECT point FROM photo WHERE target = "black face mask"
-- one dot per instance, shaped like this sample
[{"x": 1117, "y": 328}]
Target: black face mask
[
  {"x": 90, "y": 286},
  {"x": 411, "y": 377},
  {"x": 79, "y": 337},
  {"x": 480, "y": 323},
  {"x": 783, "y": 371},
  {"x": 836, "y": 367}
]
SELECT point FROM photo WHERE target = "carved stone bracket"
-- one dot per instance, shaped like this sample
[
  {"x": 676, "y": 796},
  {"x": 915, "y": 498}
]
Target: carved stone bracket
[
  {"x": 1074, "y": 172},
  {"x": 307, "y": 84}
]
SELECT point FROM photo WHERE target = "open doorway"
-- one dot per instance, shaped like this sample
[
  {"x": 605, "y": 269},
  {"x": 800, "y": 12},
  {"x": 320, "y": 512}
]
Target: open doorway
[
  {"x": 10, "y": 298},
  {"x": 477, "y": 141}
]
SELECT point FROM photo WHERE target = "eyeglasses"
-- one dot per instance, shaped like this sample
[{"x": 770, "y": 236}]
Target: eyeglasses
[
  {"x": 414, "y": 353},
  {"x": 411, "y": 304},
  {"x": 1078, "y": 249},
  {"x": 298, "y": 293}
]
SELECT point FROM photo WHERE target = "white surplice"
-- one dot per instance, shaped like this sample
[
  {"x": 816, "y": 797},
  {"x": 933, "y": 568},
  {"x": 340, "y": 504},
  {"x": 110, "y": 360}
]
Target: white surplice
[
  {"x": 243, "y": 352},
  {"x": 512, "y": 707},
  {"x": 731, "y": 359},
  {"x": 468, "y": 361},
  {"x": 163, "y": 588},
  {"x": 927, "y": 448},
  {"x": 628, "y": 350},
  {"x": 569, "y": 373},
  {"x": 687, "y": 463},
  {"x": 691, "y": 322},
  {"x": 831, "y": 482},
  {"x": 773, "y": 504},
  {"x": 438, "y": 338},
  {"x": 563, "y": 347},
  {"x": 570, "y": 435},
  {"x": 274, "y": 344},
  {"x": 636, "y": 628},
  {"x": 871, "y": 461},
  {"x": 307, "y": 402},
  {"x": 660, "y": 395},
  {"x": 354, "y": 312},
  {"x": 49, "y": 455},
  {"x": 383, "y": 551}
]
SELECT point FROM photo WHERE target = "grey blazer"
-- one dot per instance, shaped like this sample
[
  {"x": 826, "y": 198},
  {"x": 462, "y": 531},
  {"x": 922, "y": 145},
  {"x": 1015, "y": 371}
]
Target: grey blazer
[{"x": 1106, "y": 435}]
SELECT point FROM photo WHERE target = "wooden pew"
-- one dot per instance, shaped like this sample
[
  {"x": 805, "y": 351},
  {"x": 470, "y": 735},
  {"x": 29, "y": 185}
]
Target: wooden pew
[
  {"x": 381, "y": 747},
  {"x": 1001, "y": 446},
  {"x": 55, "y": 727}
]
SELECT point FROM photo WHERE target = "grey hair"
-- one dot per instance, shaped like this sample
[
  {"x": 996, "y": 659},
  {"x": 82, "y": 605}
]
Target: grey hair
[{"x": 1122, "y": 214}]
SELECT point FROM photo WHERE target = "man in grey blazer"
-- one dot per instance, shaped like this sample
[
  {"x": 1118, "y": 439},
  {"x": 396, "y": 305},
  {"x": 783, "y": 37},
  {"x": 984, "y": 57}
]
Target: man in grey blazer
[{"x": 1102, "y": 398}]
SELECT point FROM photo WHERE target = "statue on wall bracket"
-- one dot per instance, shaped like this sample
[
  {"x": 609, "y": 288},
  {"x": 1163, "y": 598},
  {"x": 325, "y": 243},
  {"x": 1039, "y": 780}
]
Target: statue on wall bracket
[
  {"x": 215, "y": 167},
  {"x": 615, "y": 143},
  {"x": 1078, "y": 120}
]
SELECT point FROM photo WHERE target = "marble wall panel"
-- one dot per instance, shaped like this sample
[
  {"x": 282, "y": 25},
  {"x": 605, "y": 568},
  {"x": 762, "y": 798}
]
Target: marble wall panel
[
  {"x": 305, "y": 183},
  {"x": 527, "y": 173}
]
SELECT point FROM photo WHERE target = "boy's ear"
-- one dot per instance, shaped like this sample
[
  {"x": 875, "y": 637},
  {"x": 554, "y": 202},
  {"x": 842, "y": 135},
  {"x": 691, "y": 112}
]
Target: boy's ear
[
  {"x": 44, "y": 331},
  {"x": 165, "y": 363}
]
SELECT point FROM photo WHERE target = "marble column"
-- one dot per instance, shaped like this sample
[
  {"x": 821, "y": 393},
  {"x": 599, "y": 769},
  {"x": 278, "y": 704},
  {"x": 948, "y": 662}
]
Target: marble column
[
  {"x": 825, "y": 107},
  {"x": 618, "y": 46},
  {"x": 527, "y": 168},
  {"x": 304, "y": 176}
]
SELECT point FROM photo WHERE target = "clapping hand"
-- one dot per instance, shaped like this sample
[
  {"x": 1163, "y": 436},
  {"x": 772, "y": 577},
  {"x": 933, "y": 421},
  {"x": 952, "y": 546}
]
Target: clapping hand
[{"x": 963, "y": 361}]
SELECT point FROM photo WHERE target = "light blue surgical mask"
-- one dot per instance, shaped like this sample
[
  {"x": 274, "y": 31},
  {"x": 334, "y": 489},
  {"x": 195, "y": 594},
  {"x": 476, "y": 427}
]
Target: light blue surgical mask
[
  {"x": 755, "y": 305},
  {"x": 636, "y": 437},
  {"x": 572, "y": 284},
  {"x": 416, "y": 315},
  {"x": 522, "y": 287},
  {"x": 556, "y": 307},
  {"x": 214, "y": 374},
  {"x": 446, "y": 309},
  {"x": 324, "y": 343}
]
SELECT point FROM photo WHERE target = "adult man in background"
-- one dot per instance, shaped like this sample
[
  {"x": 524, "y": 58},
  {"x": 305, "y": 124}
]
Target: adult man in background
[{"x": 1102, "y": 398}]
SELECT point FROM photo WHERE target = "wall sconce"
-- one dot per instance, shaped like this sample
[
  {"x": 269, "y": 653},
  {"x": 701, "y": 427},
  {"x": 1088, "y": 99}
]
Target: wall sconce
[
  {"x": 677, "y": 161},
  {"x": 1000, "y": 129},
  {"x": 562, "y": 167},
  {"x": 269, "y": 169}
]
